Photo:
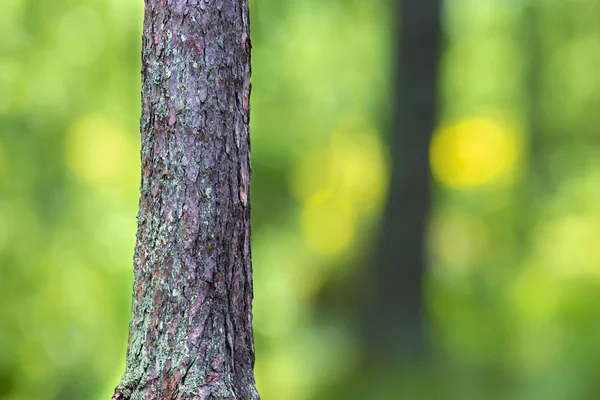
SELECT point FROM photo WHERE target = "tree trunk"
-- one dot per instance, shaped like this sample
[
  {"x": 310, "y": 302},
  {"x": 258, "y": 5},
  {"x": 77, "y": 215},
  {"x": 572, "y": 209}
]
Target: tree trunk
[
  {"x": 191, "y": 329},
  {"x": 394, "y": 317}
]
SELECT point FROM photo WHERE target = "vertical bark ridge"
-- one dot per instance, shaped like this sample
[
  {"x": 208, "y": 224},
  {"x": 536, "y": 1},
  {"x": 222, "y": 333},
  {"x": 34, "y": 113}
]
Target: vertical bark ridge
[{"x": 191, "y": 327}]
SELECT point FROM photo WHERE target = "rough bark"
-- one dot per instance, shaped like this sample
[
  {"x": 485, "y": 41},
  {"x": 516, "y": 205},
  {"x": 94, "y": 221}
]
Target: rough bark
[{"x": 191, "y": 328}]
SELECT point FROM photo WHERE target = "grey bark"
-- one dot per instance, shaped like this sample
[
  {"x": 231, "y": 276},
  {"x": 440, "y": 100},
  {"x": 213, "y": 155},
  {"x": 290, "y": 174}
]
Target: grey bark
[{"x": 191, "y": 328}]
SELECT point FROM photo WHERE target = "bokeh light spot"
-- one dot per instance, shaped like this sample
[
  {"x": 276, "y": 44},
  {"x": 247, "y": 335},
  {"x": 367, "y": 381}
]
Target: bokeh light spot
[
  {"x": 569, "y": 246},
  {"x": 100, "y": 153},
  {"x": 312, "y": 173},
  {"x": 281, "y": 374},
  {"x": 354, "y": 165},
  {"x": 360, "y": 165},
  {"x": 474, "y": 152},
  {"x": 327, "y": 223}
]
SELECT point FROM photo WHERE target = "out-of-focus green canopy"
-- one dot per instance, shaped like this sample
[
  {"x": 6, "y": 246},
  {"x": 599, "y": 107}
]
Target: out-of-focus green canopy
[{"x": 513, "y": 283}]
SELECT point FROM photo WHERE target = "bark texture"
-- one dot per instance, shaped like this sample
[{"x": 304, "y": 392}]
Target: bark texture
[{"x": 191, "y": 328}]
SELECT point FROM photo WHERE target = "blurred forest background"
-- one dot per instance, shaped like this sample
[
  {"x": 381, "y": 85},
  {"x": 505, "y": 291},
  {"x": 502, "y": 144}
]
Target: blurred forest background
[{"x": 507, "y": 285}]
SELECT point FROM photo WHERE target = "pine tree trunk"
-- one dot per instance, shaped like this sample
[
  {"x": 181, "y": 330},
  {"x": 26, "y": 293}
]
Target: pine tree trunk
[{"x": 191, "y": 328}]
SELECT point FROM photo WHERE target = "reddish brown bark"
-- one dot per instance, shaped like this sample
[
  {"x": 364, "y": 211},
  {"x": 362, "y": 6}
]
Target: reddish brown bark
[{"x": 191, "y": 328}]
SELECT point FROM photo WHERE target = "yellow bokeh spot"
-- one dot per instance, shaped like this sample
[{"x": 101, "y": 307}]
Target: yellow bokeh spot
[
  {"x": 360, "y": 165},
  {"x": 338, "y": 183},
  {"x": 281, "y": 375},
  {"x": 474, "y": 152},
  {"x": 327, "y": 223},
  {"x": 100, "y": 153},
  {"x": 312, "y": 173},
  {"x": 353, "y": 165}
]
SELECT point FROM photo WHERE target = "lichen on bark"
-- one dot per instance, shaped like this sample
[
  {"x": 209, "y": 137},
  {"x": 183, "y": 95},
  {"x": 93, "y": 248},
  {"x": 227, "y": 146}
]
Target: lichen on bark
[{"x": 191, "y": 327}]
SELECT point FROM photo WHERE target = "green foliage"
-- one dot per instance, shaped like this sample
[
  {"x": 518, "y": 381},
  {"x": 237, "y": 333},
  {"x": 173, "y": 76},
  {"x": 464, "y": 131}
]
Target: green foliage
[{"x": 514, "y": 276}]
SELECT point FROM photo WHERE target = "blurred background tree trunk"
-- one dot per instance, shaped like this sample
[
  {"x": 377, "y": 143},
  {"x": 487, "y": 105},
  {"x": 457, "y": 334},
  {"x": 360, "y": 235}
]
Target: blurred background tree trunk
[
  {"x": 191, "y": 327},
  {"x": 393, "y": 322},
  {"x": 389, "y": 311}
]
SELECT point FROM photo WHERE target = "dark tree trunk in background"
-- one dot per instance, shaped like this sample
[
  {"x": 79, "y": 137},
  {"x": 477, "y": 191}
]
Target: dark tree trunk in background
[
  {"x": 394, "y": 325},
  {"x": 191, "y": 328}
]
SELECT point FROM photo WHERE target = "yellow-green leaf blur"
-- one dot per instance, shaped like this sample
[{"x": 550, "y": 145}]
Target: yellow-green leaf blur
[
  {"x": 100, "y": 153},
  {"x": 511, "y": 247},
  {"x": 474, "y": 152}
]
